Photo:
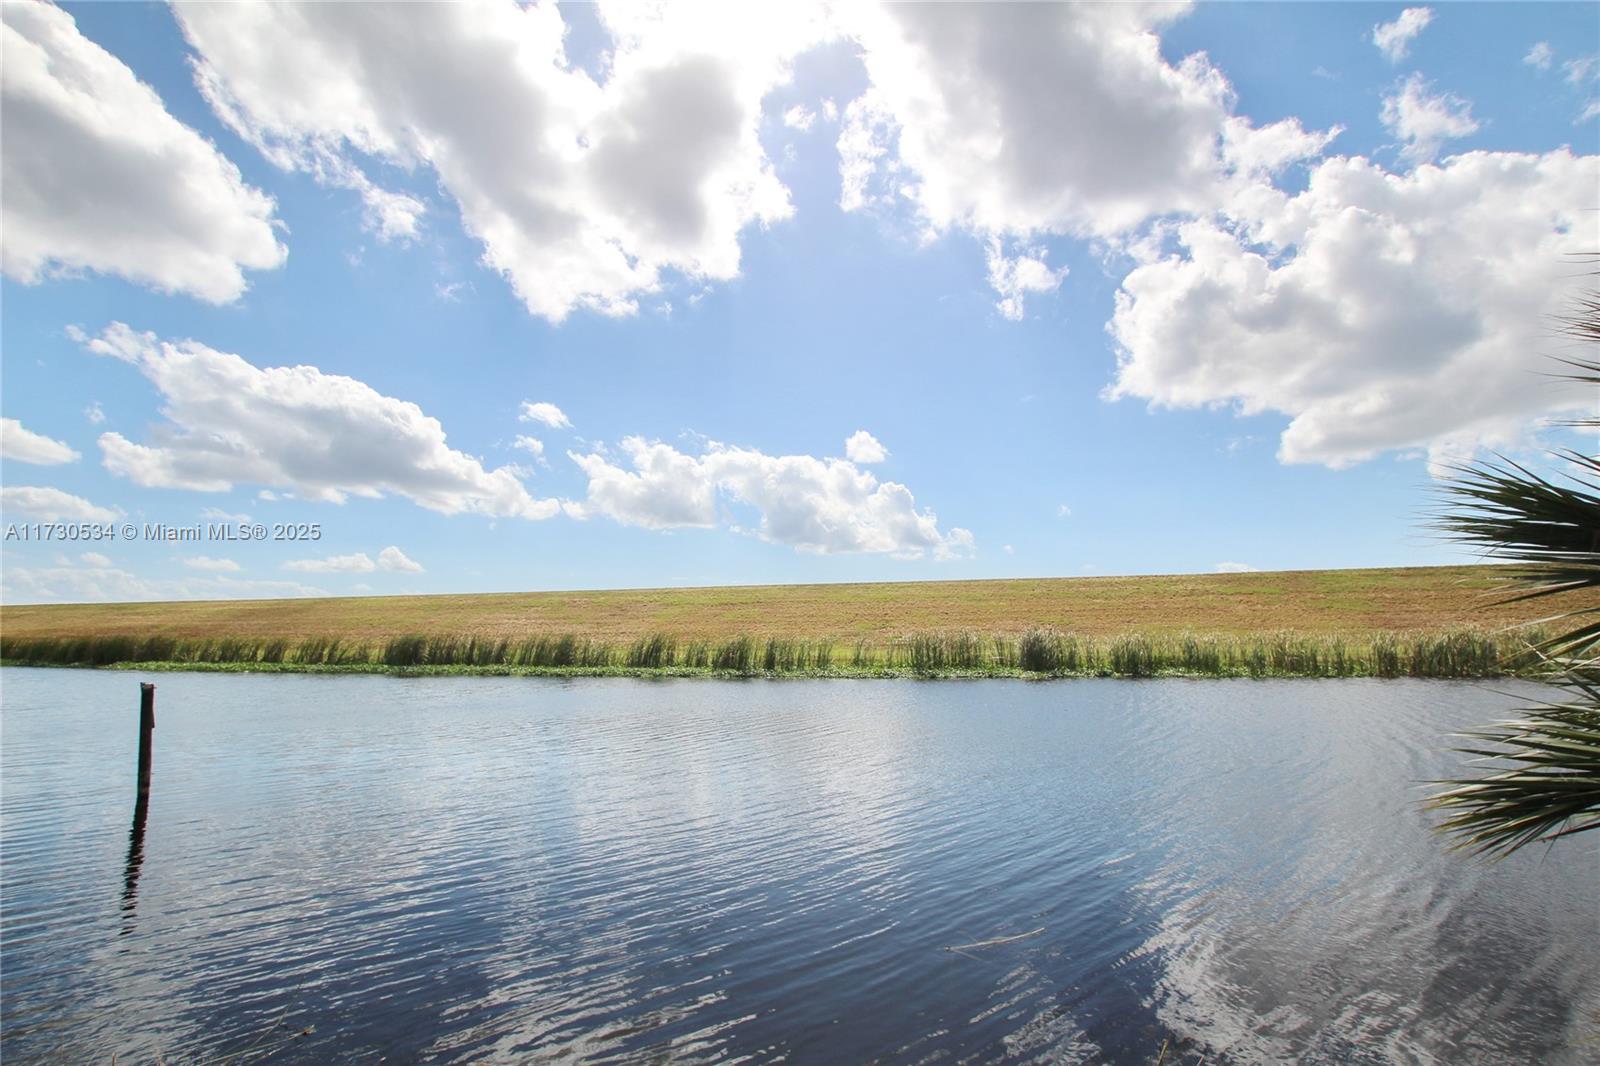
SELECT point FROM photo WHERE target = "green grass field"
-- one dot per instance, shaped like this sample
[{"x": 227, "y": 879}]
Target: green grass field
[{"x": 1442, "y": 621}]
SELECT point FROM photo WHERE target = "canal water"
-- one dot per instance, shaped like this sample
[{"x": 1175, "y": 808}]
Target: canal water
[{"x": 378, "y": 869}]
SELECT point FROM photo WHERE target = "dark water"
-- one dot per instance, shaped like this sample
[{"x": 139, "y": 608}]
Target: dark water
[{"x": 508, "y": 870}]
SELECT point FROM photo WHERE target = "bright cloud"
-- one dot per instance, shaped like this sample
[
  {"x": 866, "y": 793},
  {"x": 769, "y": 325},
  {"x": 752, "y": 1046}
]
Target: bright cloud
[
  {"x": 1376, "y": 311},
  {"x": 799, "y": 117},
  {"x": 358, "y": 563},
  {"x": 100, "y": 177},
  {"x": 863, "y": 447},
  {"x": 1013, "y": 278},
  {"x": 1424, "y": 120},
  {"x": 51, "y": 505},
  {"x": 582, "y": 193},
  {"x": 25, "y": 446},
  {"x": 109, "y": 584},
  {"x": 814, "y": 505},
  {"x": 1056, "y": 119},
  {"x": 532, "y": 445},
  {"x": 1540, "y": 55},
  {"x": 392, "y": 558},
  {"x": 209, "y": 563},
  {"x": 323, "y": 436},
  {"x": 1394, "y": 38},
  {"x": 547, "y": 413}
]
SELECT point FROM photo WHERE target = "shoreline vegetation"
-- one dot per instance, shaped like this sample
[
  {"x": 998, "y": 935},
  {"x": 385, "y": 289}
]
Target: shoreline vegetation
[{"x": 1039, "y": 653}]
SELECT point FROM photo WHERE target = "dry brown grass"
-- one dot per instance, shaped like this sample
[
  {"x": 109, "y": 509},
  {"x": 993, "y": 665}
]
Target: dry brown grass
[{"x": 1306, "y": 601}]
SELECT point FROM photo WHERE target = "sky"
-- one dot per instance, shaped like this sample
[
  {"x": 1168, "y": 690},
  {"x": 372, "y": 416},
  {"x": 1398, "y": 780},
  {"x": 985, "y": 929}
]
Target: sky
[{"x": 478, "y": 297}]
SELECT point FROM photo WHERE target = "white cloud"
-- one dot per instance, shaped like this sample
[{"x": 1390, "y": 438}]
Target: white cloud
[
  {"x": 107, "y": 584},
  {"x": 108, "y": 180},
  {"x": 51, "y": 505},
  {"x": 25, "y": 446},
  {"x": 532, "y": 445},
  {"x": 583, "y": 193},
  {"x": 814, "y": 505},
  {"x": 209, "y": 563},
  {"x": 1394, "y": 38},
  {"x": 863, "y": 447},
  {"x": 799, "y": 117},
  {"x": 1540, "y": 55},
  {"x": 1424, "y": 121},
  {"x": 547, "y": 413},
  {"x": 1235, "y": 568},
  {"x": 95, "y": 559},
  {"x": 1028, "y": 120},
  {"x": 1013, "y": 278},
  {"x": 1577, "y": 72},
  {"x": 1377, "y": 311},
  {"x": 215, "y": 514},
  {"x": 358, "y": 563},
  {"x": 94, "y": 414},
  {"x": 392, "y": 558},
  {"x": 323, "y": 436},
  {"x": 1063, "y": 511}
]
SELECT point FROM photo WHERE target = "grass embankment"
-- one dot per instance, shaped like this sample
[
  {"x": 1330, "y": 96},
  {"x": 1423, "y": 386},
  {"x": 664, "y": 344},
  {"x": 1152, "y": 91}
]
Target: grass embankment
[{"x": 1426, "y": 622}]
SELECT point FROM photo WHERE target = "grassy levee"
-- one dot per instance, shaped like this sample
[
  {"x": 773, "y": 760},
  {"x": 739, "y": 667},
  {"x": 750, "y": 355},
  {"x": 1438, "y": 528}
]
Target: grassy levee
[{"x": 1425, "y": 622}]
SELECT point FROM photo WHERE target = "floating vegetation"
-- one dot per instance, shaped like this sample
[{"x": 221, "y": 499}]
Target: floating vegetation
[{"x": 1040, "y": 652}]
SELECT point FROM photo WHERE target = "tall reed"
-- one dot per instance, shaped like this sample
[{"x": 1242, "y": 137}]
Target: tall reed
[{"x": 1043, "y": 651}]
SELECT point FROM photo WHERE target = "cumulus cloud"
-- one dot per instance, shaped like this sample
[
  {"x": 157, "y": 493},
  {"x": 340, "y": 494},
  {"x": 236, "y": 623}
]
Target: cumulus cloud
[
  {"x": 109, "y": 584},
  {"x": 358, "y": 563},
  {"x": 814, "y": 505},
  {"x": 1235, "y": 568},
  {"x": 547, "y": 413},
  {"x": 109, "y": 181},
  {"x": 392, "y": 558},
  {"x": 25, "y": 446},
  {"x": 799, "y": 117},
  {"x": 863, "y": 447},
  {"x": 210, "y": 563},
  {"x": 51, "y": 505},
  {"x": 582, "y": 192},
  {"x": 532, "y": 445},
  {"x": 1425, "y": 120},
  {"x": 323, "y": 436},
  {"x": 1540, "y": 56},
  {"x": 1048, "y": 119},
  {"x": 1377, "y": 311},
  {"x": 1014, "y": 277},
  {"x": 1394, "y": 38}
]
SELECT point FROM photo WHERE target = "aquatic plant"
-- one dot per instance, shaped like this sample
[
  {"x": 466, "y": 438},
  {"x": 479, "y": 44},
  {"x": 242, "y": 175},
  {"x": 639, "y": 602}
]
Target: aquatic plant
[{"x": 1039, "y": 652}]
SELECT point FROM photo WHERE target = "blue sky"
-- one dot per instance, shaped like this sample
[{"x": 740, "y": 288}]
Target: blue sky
[{"x": 1110, "y": 290}]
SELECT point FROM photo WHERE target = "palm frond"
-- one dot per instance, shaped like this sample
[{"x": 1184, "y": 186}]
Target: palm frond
[
  {"x": 1543, "y": 779},
  {"x": 1542, "y": 773}
]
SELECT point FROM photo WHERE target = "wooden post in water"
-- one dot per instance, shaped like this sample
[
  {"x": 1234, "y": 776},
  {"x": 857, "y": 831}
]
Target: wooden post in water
[
  {"x": 147, "y": 725},
  {"x": 141, "y": 805}
]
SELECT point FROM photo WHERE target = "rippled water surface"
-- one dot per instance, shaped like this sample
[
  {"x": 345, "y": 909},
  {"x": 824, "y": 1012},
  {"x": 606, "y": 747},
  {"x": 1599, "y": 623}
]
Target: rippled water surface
[{"x": 376, "y": 869}]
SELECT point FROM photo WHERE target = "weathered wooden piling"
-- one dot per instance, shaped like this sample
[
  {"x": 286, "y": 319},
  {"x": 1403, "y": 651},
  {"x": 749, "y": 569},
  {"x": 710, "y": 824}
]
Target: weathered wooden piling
[{"x": 147, "y": 726}]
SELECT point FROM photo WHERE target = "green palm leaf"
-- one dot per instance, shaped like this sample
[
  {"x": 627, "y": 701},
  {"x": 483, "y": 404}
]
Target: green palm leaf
[{"x": 1540, "y": 778}]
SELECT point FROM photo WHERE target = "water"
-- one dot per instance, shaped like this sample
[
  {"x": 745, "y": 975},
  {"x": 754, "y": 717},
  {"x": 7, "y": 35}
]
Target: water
[{"x": 506, "y": 870}]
